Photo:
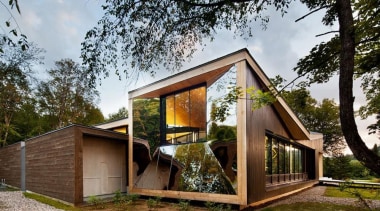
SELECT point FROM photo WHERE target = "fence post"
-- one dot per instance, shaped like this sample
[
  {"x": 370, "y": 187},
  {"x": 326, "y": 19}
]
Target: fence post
[{"x": 23, "y": 188}]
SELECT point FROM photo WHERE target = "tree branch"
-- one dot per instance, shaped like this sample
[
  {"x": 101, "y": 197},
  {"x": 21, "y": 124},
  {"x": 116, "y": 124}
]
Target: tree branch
[
  {"x": 318, "y": 35},
  {"x": 316, "y": 10},
  {"x": 219, "y": 3}
]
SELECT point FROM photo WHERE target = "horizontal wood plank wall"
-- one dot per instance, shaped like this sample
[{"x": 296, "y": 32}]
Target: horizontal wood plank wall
[
  {"x": 258, "y": 121},
  {"x": 10, "y": 164},
  {"x": 50, "y": 164}
]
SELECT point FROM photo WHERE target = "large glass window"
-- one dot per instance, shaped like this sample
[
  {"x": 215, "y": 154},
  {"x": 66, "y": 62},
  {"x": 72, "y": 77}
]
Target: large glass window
[
  {"x": 284, "y": 160},
  {"x": 185, "y": 119}
]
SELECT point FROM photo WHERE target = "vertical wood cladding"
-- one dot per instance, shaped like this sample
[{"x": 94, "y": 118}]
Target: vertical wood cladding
[
  {"x": 258, "y": 121},
  {"x": 50, "y": 164},
  {"x": 10, "y": 164}
]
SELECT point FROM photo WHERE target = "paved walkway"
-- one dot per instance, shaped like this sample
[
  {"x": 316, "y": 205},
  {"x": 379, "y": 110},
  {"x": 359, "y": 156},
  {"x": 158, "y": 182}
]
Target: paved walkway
[{"x": 315, "y": 194}]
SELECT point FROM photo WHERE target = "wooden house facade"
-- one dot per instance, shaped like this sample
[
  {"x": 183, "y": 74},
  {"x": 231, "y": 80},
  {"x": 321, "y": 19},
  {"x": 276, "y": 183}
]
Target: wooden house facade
[{"x": 207, "y": 142}]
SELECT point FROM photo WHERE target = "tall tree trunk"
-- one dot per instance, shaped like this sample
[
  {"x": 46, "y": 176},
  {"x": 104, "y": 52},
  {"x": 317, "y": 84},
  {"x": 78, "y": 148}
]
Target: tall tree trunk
[{"x": 347, "y": 118}]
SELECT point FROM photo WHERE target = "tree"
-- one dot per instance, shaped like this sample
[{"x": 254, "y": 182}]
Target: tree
[
  {"x": 146, "y": 121},
  {"x": 66, "y": 97},
  {"x": 152, "y": 33},
  {"x": 320, "y": 117},
  {"x": 16, "y": 76},
  {"x": 27, "y": 122},
  {"x": 376, "y": 149},
  {"x": 14, "y": 87},
  {"x": 337, "y": 167},
  {"x": 120, "y": 114}
]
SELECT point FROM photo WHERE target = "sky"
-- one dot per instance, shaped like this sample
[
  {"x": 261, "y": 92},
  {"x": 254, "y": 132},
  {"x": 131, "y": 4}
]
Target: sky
[{"x": 60, "y": 26}]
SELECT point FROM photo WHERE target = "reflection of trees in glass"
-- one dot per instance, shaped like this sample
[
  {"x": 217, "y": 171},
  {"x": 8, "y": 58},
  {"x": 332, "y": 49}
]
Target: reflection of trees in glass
[
  {"x": 201, "y": 170},
  {"x": 146, "y": 121},
  {"x": 222, "y": 132},
  {"x": 221, "y": 103}
]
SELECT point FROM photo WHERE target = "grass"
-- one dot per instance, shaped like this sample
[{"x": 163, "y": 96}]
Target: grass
[
  {"x": 313, "y": 206},
  {"x": 305, "y": 206},
  {"x": 348, "y": 193},
  {"x": 51, "y": 202}
]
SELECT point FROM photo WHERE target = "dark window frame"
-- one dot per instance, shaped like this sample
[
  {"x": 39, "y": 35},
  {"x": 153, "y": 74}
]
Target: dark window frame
[
  {"x": 282, "y": 172},
  {"x": 163, "y": 129}
]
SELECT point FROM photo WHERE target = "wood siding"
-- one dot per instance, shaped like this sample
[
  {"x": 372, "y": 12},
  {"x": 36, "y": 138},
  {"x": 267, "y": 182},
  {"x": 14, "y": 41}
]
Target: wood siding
[
  {"x": 50, "y": 165},
  {"x": 258, "y": 121},
  {"x": 10, "y": 164}
]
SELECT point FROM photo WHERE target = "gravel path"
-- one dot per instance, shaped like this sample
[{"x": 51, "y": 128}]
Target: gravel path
[
  {"x": 15, "y": 201},
  {"x": 315, "y": 194}
]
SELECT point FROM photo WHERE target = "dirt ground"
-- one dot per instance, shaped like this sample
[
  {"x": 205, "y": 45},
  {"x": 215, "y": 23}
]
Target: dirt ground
[{"x": 142, "y": 205}]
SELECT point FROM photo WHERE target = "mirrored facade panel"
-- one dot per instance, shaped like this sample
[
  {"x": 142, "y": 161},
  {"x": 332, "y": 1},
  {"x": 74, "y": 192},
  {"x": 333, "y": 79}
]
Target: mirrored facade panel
[{"x": 191, "y": 152}]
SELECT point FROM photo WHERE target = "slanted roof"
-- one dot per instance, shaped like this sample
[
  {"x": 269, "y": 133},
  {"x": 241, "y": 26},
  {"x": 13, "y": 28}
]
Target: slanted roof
[
  {"x": 208, "y": 73},
  {"x": 113, "y": 124}
]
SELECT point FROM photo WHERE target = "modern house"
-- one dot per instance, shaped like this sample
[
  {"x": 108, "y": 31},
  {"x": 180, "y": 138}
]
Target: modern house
[
  {"x": 196, "y": 135},
  {"x": 208, "y": 141}
]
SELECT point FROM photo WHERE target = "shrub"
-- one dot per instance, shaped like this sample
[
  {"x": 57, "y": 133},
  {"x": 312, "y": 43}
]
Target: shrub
[
  {"x": 97, "y": 202},
  {"x": 153, "y": 203},
  {"x": 184, "y": 205},
  {"x": 211, "y": 206}
]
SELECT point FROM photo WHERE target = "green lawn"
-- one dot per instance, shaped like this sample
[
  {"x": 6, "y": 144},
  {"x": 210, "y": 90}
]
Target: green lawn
[
  {"x": 351, "y": 192},
  {"x": 313, "y": 206}
]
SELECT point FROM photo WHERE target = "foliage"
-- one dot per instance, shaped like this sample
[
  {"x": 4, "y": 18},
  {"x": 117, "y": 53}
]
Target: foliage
[
  {"x": 15, "y": 77},
  {"x": 345, "y": 187},
  {"x": 14, "y": 30},
  {"x": 120, "y": 114},
  {"x": 14, "y": 88},
  {"x": 345, "y": 167},
  {"x": 212, "y": 206},
  {"x": 376, "y": 149},
  {"x": 366, "y": 193},
  {"x": 153, "y": 203},
  {"x": 222, "y": 106},
  {"x": 66, "y": 97},
  {"x": 117, "y": 197},
  {"x": 184, "y": 205},
  {"x": 146, "y": 121},
  {"x": 50, "y": 202},
  {"x": 132, "y": 197},
  {"x": 27, "y": 121},
  {"x": 97, "y": 202},
  {"x": 124, "y": 202},
  {"x": 260, "y": 98},
  {"x": 221, "y": 132},
  {"x": 313, "y": 206},
  {"x": 337, "y": 167},
  {"x": 147, "y": 34},
  {"x": 320, "y": 117}
]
